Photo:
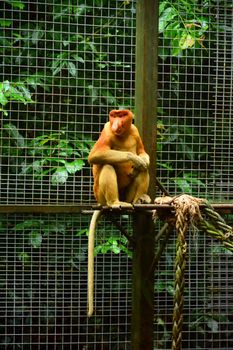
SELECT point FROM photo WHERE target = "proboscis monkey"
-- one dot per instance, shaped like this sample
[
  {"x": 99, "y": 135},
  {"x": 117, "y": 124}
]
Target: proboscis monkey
[{"x": 121, "y": 178}]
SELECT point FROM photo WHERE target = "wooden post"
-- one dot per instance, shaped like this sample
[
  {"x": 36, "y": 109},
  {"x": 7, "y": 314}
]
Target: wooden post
[
  {"x": 143, "y": 282},
  {"x": 145, "y": 115},
  {"x": 146, "y": 79}
]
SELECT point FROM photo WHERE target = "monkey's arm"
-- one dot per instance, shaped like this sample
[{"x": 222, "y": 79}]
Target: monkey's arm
[
  {"x": 102, "y": 153},
  {"x": 108, "y": 156}
]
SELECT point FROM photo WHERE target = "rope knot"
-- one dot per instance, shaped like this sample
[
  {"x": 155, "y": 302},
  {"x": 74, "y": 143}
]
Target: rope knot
[
  {"x": 187, "y": 212},
  {"x": 186, "y": 207}
]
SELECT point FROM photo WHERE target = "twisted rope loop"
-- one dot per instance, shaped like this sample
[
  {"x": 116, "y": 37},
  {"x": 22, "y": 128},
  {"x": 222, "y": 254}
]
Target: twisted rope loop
[
  {"x": 187, "y": 212},
  {"x": 216, "y": 227}
]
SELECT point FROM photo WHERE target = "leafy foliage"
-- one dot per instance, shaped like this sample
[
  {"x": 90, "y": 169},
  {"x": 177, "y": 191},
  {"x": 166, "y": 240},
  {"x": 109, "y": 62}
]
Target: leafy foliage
[
  {"x": 183, "y": 27},
  {"x": 186, "y": 36},
  {"x": 51, "y": 151},
  {"x": 49, "y": 154},
  {"x": 61, "y": 78},
  {"x": 52, "y": 61},
  {"x": 49, "y": 53},
  {"x": 13, "y": 92}
]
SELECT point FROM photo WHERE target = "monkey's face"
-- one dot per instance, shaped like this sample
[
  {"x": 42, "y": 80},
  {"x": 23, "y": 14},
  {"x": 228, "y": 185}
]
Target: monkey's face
[{"x": 120, "y": 121}]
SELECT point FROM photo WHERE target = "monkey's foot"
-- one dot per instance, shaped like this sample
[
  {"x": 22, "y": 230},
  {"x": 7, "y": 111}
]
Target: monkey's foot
[
  {"x": 144, "y": 199},
  {"x": 120, "y": 205}
]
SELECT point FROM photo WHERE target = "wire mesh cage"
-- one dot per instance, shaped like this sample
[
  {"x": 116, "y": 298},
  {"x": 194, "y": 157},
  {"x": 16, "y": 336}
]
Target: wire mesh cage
[
  {"x": 65, "y": 65},
  {"x": 69, "y": 64},
  {"x": 194, "y": 144},
  {"x": 43, "y": 285},
  {"x": 195, "y": 98}
]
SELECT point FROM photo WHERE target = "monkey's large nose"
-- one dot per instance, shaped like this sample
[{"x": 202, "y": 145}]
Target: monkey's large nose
[{"x": 116, "y": 126}]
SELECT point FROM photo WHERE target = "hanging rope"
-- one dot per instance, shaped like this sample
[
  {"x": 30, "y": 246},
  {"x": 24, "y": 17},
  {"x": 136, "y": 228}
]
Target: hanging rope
[{"x": 187, "y": 212}]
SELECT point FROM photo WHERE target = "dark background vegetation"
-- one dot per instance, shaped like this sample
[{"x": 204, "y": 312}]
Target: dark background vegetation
[{"x": 64, "y": 65}]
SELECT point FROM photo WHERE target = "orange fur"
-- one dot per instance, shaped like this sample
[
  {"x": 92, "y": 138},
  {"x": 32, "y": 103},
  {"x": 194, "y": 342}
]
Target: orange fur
[
  {"x": 120, "y": 170},
  {"x": 119, "y": 145}
]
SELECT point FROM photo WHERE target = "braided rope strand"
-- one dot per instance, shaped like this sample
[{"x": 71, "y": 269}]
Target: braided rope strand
[
  {"x": 180, "y": 264},
  {"x": 187, "y": 212}
]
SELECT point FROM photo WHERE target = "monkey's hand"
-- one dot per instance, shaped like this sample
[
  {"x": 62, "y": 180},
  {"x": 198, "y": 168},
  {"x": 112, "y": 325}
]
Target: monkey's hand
[
  {"x": 140, "y": 162},
  {"x": 146, "y": 159}
]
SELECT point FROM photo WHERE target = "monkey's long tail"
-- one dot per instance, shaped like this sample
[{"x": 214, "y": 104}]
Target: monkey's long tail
[{"x": 91, "y": 243}]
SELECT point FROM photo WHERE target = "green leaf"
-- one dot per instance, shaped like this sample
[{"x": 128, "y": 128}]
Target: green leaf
[
  {"x": 37, "y": 80},
  {"x": 213, "y": 325},
  {"x": 14, "y": 92},
  {"x": 93, "y": 92},
  {"x": 57, "y": 66},
  {"x": 56, "y": 160},
  {"x": 187, "y": 41},
  {"x": 91, "y": 45},
  {"x": 37, "y": 34},
  {"x": 5, "y": 22},
  {"x": 162, "y": 6},
  {"x": 160, "y": 321},
  {"x": 109, "y": 97},
  {"x": 172, "y": 30},
  {"x": 17, "y": 4},
  {"x": 183, "y": 184},
  {"x": 176, "y": 50},
  {"x": 26, "y": 93},
  {"x": 78, "y": 58},
  {"x": 28, "y": 224},
  {"x": 24, "y": 258},
  {"x": 159, "y": 286},
  {"x": 116, "y": 249},
  {"x": 166, "y": 17},
  {"x": 64, "y": 148},
  {"x": 6, "y": 85},
  {"x": 104, "y": 249},
  {"x": 80, "y": 9},
  {"x": 3, "y": 99},
  {"x": 5, "y": 113},
  {"x": 56, "y": 227},
  {"x": 72, "y": 69},
  {"x": 165, "y": 166},
  {"x": 35, "y": 239},
  {"x": 35, "y": 167},
  {"x": 60, "y": 176},
  {"x": 82, "y": 232},
  {"x": 170, "y": 290},
  {"x": 102, "y": 65},
  {"x": 15, "y": 135},
  {"x": 74, "y": 166},
  {"x": 163, "y": 52}
]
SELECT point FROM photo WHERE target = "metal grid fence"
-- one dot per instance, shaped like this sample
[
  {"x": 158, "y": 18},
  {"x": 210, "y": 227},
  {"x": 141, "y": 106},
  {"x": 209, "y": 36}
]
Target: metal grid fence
[
  {"x": 207, "y": 322},
  {"x": 43, "y": 285},
  {"x": 64, "y": 66},
  {"x": 70, "y": 64},
  {"x": 195, "y": 98}
]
